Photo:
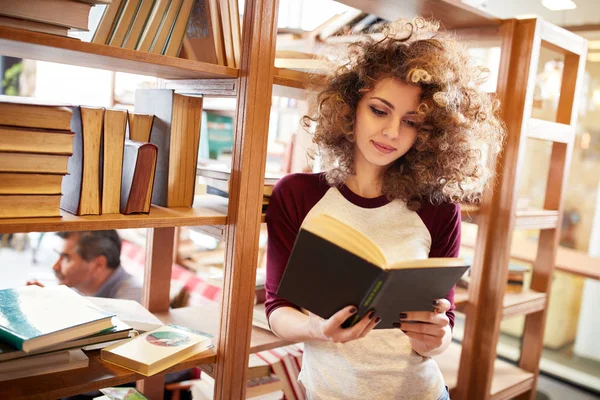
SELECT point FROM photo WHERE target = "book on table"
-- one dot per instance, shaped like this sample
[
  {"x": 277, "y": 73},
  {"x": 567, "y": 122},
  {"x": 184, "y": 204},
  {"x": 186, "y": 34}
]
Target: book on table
[
  {"x": 32, "y": 318},
  {"x": 158, "y": 349},
  {"x": 332, "y": 265}
]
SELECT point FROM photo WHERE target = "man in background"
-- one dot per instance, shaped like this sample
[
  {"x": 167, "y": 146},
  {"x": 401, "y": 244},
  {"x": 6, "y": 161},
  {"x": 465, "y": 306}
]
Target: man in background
[{"x": 90, "y": 262}]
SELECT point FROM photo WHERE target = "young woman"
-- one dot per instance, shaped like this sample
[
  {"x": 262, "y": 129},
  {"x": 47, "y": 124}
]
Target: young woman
[{"x": 402, "y": 127}]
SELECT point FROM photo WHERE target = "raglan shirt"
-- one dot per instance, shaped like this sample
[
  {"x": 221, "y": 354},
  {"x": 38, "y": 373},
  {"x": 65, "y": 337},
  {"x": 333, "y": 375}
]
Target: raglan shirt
[{"x": 381, "y": 365}]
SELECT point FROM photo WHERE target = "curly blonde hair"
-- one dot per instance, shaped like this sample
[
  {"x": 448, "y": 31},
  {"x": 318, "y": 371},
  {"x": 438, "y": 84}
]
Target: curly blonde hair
[{"x": 460, "y": 122}]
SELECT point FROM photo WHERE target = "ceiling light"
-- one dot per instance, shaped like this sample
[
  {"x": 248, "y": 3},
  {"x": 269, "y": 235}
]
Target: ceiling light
[{"x": 557, "y": 5}]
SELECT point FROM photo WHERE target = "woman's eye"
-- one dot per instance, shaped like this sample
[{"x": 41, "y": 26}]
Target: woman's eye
[
  {"x": 377, "y": 111},
  {"x": 412, "y": 124}
]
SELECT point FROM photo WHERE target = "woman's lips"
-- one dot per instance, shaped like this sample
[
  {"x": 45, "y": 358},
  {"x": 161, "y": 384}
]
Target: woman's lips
[{"x": 382, "y": 147}]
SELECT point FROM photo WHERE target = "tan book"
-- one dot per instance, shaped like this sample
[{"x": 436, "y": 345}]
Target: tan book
[
  {"x": 108, "y": 22},
  {"x": 76, "y": 359},
  {"x": 174, "y": 42},
  {"x": 150, "y": 31},
  {"x": 18, "y": 183},
  {"x": 124, "y": 23},
  {"x": 32, "y": 113},
  {"x": 34, "y": 26},
  {"x": 157, "y": 350},
  {"x": 227, "y": 32},
  {"x": 25, "y": 206},
  {"x": 140, "y": 126},
  {"x": 24, "y": 140},
  {"x": 185, "y": 139},
  {"x": 115, "y": 124},
  {"x": 166, "y": 26},
  {"x": 236, "y": 34},
  {"x": 217, "y": 31},
  {"x": 139, "y": 22},
  {"x": 34, "y": 163},
  {"x": 69, "y": 14},
  {"x": 81, "y": 187},
  {"x": 177, "y": 137}
]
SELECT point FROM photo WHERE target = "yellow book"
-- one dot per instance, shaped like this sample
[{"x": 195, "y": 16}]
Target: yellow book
[
  {"x": 150, "y": 31},
  {"x": 157, "y": 350}
]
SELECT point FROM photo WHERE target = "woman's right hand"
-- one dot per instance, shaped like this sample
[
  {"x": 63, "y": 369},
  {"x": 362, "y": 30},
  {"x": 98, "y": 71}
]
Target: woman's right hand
[{"x": 330, "y": 330}]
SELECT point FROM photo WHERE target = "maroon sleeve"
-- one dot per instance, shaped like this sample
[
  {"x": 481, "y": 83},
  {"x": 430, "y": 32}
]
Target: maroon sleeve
[
  {"x": 292, "y": 198},
  {"x": 444, "y": 224}
]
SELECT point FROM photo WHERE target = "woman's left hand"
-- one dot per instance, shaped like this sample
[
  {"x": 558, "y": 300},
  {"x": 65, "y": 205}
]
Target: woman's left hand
[{"x": 427, "y": 330}]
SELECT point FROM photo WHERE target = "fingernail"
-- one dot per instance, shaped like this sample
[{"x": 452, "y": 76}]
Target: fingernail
[
  {"x": 371, "y": 314},
  {"x": 403, "y": 315},
  {"x": 352, "y": 310},
  {"x": 377, "y": 320},
  {"x": 396, "y": 324},
  {"x": 436, "y": 303}
]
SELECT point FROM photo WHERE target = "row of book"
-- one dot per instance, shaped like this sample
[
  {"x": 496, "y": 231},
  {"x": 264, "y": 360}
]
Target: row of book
[
  {"x": 217, "y": 181},
  {"x": 47, "y": 330},
  {"x": 55, "y": 17},
  {"x": 155, "y": 26},
  {"x": 102, "y": 161}
]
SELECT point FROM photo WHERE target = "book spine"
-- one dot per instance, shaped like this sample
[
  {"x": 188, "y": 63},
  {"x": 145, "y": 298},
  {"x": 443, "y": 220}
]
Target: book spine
[{"x": 369, "y": 299}]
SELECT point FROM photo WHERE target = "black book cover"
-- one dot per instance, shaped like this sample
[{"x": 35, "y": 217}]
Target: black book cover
[{"x": 323, "y": 278}]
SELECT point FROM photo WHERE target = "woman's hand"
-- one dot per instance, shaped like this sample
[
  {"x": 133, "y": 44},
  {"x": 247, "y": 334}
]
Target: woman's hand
[
  {"x": 429, "y": 331},
  {"x": 331, "y": 329}
]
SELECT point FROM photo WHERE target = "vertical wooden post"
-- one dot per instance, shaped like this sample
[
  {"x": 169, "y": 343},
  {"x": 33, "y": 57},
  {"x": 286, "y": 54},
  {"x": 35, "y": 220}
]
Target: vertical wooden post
[
  {"x": 520, "y": 54},
  {"x": 160, "y": 247},
  {"x": 560, "y": 162},
  {"x": 245, "y": 197}
]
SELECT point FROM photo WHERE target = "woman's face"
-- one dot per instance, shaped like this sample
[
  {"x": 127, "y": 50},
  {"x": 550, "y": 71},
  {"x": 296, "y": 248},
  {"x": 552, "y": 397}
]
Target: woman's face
[{"x": 386, "y": 123}]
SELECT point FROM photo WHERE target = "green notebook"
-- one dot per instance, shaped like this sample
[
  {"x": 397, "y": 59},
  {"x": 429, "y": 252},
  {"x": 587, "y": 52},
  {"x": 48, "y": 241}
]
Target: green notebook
[{"x": 32, "y": 318}]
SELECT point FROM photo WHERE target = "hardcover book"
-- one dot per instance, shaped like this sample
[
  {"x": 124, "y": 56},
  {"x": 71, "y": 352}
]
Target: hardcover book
[
  {"x": 332, "y": 265},
  {"x": 32, "y": 318},
  {"x": 157, "y": 350}
]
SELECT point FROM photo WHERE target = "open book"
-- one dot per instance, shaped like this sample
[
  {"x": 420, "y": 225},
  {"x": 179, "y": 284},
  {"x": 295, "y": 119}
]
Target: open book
[{"x": 332, "y": 265}]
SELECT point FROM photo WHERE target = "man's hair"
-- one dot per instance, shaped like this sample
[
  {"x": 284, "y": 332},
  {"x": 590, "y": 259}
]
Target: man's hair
[{"x": 91, "y": 244}]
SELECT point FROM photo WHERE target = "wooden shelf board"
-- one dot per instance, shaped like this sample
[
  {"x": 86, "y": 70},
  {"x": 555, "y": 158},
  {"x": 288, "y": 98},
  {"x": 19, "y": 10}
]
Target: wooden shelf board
[
  {"x": 209, "y": 212},
  {"x": 40, "y": 46},
  {"x": 295, "y": 79},
  {"x": 567, "y": 260},
  {"x": 522, "y": 303},
  {"x": 452, "y": 14},
  {"x": 97, "y": 375},
  {"x": 508, "y": 380},
  {"x": 525, "y": 219},
  {"x": 550, "y": 131}
]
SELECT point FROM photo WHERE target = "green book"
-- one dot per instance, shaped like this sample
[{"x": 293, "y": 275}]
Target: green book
[{"x": 33, "y": 318}]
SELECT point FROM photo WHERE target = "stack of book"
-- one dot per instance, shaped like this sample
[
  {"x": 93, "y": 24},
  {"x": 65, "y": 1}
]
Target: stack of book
[
  {"x": 35, "y": 145},
  {"x": 55, "y": 17},
  {"x": 155, "y": 26},
  {"x": 44, "y": 330},
  {"x": 217, "y": 181},
  {"x": 286, "y": 363}
]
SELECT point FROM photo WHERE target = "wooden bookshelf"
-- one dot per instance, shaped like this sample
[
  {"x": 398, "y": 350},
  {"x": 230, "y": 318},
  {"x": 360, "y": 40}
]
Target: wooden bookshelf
[
  {"x": 294, "y": 79},
  {"x": 44, "y": 47},
  {"x": 508, "y": 382},
  {"x": 210, "y": 211},
  {"x": 97, "y": 375}
]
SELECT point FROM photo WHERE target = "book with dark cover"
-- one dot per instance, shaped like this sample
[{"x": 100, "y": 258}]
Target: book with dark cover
[
  {"x": 325, "y": 274},
  {"x": 139, "y": 167}
]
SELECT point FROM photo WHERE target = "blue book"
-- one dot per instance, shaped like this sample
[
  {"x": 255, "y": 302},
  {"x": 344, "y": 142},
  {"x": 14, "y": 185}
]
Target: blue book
[{"x": 32, "y": 318}]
